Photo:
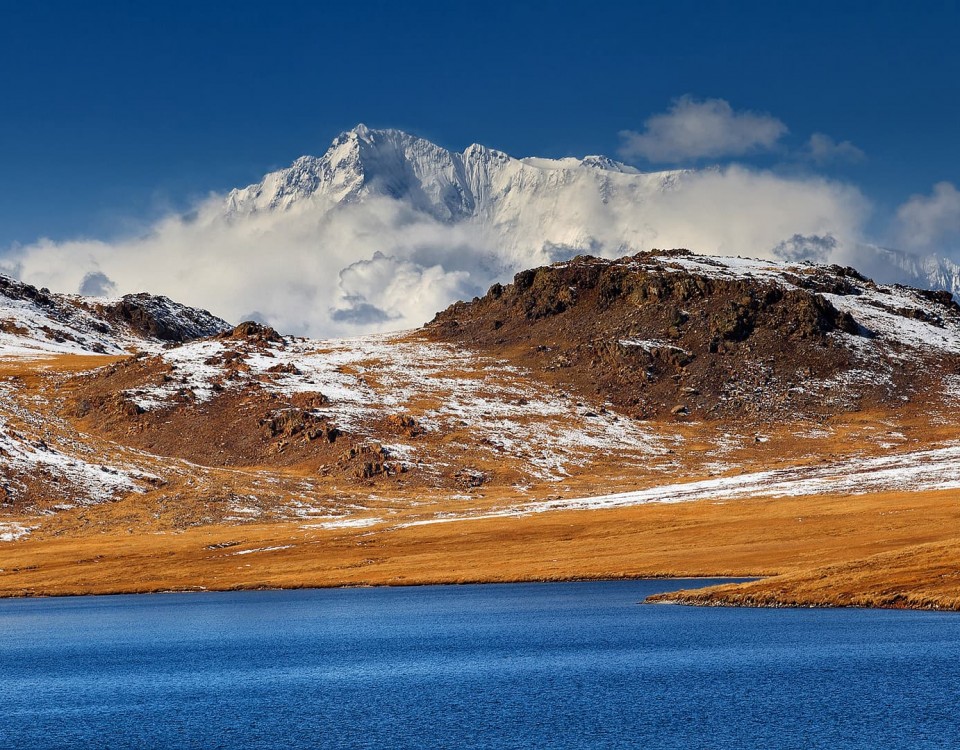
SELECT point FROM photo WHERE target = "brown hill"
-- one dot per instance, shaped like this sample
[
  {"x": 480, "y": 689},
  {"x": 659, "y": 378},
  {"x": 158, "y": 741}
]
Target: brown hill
[
  {"x": 665, "y": 413},
  {"x": 663, "y": 334}
]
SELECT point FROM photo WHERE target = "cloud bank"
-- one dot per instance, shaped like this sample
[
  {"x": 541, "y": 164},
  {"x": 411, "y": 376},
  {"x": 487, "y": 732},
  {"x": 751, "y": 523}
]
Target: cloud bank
[
  {"x": 362, "y": 239},
  {"x": 377, "y": 264}
]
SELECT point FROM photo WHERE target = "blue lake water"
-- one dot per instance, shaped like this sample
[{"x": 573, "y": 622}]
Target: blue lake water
[{"x": 563, "y": 665}]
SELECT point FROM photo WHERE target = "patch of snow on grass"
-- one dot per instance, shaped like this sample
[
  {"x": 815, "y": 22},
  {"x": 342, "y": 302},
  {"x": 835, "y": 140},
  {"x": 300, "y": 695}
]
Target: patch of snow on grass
[
  {"x": 345, "y": 523},
  {"x": 937, "y": 469},
  {"x": 917, "y": 471},
  {"x": 262, "y": 549},
  {"x": 650, "y": 345},
  {"x": 11, "y": 532}
]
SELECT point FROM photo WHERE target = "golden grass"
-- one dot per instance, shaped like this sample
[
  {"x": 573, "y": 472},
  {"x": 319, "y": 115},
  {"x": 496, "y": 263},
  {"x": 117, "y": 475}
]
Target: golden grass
[
  {"x": 32, "y": 368},
  {"x": 822, "y": 550},
  {"x": 924, "y": 576}
]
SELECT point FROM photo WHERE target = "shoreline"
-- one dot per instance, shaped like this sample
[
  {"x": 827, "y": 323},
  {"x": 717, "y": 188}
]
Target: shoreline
[
  {"x": 728, "y": 579},
  {"x": 680, "y": 597}
]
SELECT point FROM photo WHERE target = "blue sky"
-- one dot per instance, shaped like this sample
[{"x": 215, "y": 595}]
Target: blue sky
[{"x": 114, "y": 113}]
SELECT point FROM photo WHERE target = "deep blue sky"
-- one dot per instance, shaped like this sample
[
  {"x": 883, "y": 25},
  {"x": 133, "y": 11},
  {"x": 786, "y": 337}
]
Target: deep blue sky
[{"x": 113, "y": 112}]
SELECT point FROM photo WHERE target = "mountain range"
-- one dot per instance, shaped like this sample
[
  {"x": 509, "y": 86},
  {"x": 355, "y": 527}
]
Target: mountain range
[
  {"x": 567, "y": 401},
  {"x": 523, "y": 209},
  {"x": 523, "y": 212}
]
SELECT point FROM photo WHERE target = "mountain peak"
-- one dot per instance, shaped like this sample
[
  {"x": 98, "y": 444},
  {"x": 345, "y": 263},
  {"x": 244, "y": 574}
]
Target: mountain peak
[
  {"x": 516, "y": 212},
  {"x": 361, "y": 132},
  {"x": 474, "y": 185}
]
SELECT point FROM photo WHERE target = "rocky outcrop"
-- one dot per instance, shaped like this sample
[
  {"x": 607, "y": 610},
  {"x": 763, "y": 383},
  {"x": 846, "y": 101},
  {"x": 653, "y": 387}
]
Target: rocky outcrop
[
  {"x": 250, "y": 330},
  {"x": 365, "y": 461},
  {"x": 161, "y": 318},
  {"x": 293, "y": 423},
  {"x": 658, "y": 330}
]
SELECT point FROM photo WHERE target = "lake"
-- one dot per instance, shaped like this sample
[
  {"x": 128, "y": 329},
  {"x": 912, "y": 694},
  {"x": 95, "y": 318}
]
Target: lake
[{"x": 559, "y": 665}]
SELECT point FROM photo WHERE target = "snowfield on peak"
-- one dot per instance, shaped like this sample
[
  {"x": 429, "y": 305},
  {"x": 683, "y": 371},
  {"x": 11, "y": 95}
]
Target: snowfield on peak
[{"x": 516, "y": 206}]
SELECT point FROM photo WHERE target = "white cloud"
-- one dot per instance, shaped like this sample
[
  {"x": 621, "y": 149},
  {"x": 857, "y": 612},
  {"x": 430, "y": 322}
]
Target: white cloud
[
  {"x": 693, "y": 129},
  {"x": 376, "y": 264},
  {"x": 740, "y": 211},
  {"x": 361, "y": 267},
  {"x": 930, "y": 222},
  {"x": 822, "y": 149}
]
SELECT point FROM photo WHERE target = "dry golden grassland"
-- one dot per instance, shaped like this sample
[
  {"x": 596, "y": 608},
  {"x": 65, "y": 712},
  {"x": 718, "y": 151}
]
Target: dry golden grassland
[{"x": 891, "y": 549}]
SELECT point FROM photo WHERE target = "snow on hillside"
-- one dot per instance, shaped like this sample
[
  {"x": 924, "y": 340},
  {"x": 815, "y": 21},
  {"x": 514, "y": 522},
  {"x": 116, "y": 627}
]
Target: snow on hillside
[
  {"x": 81, "y": 482},
  {"x": 915, "y": 471},
  {"x": 38, "y": 323},
  {"x": 39, "y": 447},
  {"x": 888, "y": 314},
  {"x": 368, "y": 378}
]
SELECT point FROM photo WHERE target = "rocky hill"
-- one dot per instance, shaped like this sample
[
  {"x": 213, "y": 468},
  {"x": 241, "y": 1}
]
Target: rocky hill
[
  {"x": 41, "y": 322},
  {"x": 529, "y": 433},
  {"x": 675, "y": 334}
]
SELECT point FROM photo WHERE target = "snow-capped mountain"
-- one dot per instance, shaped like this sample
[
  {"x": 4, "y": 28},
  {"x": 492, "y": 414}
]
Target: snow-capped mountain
[
  {"x": 931, "y": 271},
  {"x": 548, "y": 208},
  {"x": 525, "y": 209},
  {"x": 386, "y": 228}
]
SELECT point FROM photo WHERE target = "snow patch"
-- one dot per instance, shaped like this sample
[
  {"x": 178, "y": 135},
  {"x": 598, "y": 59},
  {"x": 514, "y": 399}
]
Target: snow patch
[
  {"x": 11, "y": 532},
  {"x": 345, "y": 523},
  {"x": 262, "y": 549}
]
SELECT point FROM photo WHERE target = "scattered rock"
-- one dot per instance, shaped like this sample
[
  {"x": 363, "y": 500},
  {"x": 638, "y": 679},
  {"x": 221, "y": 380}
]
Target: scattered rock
[
  {"x": 404, "y": 424},
  {"x": 468, "y": 478},
  {"x": 251, "y": 330},
  {"x": 293, "y": 422}
]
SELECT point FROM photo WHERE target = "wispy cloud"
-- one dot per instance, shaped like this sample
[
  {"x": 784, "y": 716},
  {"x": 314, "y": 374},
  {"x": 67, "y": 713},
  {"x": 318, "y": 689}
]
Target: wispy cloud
[
  {"x": 701, "y": 129},
  {"x": 822, "y": 149}
]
